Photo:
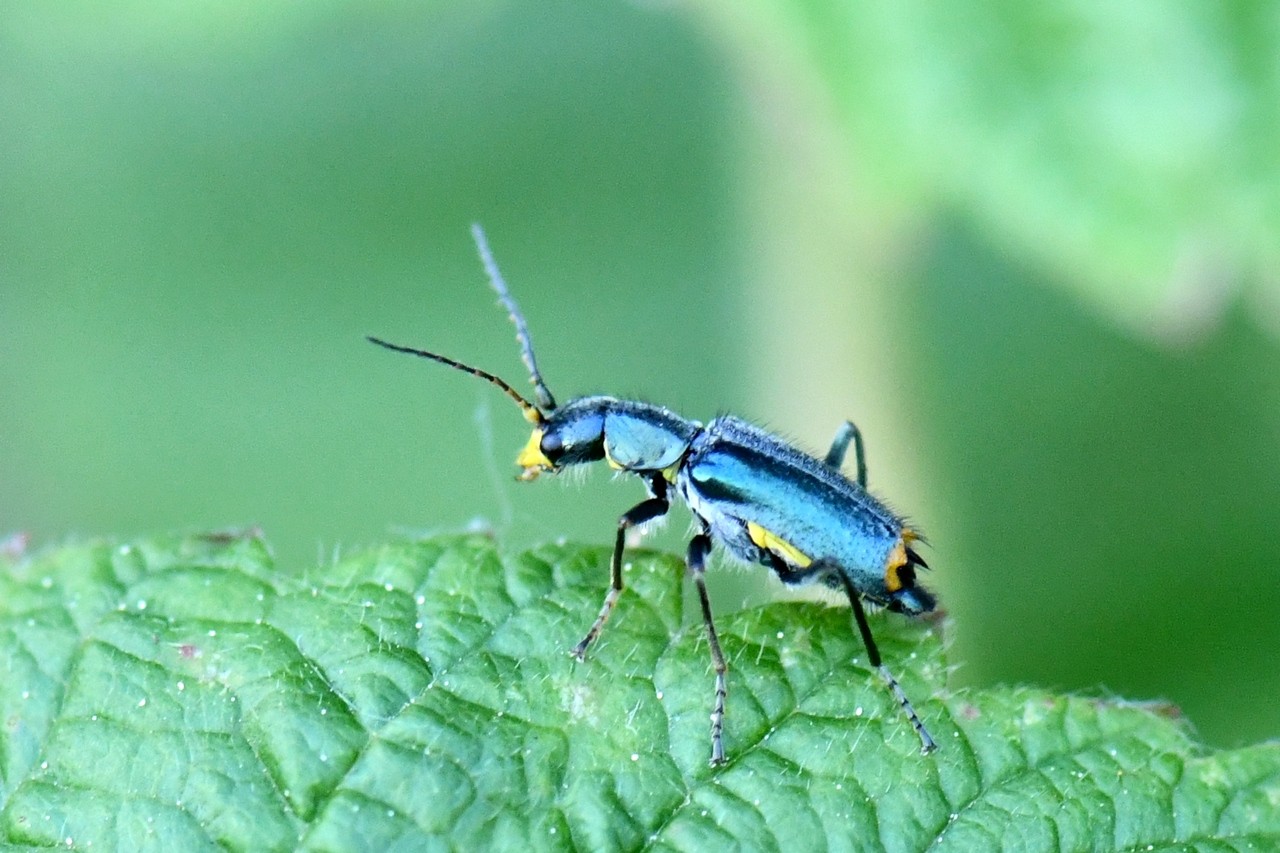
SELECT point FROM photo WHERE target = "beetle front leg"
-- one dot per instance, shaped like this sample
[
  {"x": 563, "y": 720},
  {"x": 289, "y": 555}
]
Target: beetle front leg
[
  {"x": 699, "y": 547},
  {"x": 646, "y": 510}
]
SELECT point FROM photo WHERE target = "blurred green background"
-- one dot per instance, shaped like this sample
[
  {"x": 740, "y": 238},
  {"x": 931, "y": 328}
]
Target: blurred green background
[{"x": 1033, "y": 251}]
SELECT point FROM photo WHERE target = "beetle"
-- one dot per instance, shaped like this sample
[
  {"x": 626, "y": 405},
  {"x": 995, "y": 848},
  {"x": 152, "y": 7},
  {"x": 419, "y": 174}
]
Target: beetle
[{"x": 763, "y": 500}]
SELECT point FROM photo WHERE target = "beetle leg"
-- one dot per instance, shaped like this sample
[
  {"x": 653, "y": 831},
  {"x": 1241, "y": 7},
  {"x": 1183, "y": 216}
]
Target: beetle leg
[
  {"x": 927, "y": 743},
  {"x": 646, "y": 510},
  {"x": 835, "y": 456},
  {"x": 789, "y": 575},
  {"x": 699, "y": 547}
]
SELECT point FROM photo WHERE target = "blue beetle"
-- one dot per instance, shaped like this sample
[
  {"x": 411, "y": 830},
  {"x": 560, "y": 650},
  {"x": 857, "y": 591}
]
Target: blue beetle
[{"x": 761, "y": 498}]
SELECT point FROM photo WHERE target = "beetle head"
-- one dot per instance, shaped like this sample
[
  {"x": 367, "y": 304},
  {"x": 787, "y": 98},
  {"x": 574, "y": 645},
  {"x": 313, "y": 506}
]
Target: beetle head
[{"x": 570, "y": 435}]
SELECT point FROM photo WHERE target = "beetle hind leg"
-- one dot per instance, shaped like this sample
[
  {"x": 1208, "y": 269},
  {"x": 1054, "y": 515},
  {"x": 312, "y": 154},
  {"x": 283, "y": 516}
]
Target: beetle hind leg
[
  {"x": 840, "y": 445},
  {"x": 927, "y": 743}
]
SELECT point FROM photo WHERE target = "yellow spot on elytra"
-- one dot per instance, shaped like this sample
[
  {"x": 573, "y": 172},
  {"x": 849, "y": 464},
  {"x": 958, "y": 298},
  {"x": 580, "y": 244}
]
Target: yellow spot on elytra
[
  {"x": 608, "y": 457},
  {"x": 783, "y": 548}
]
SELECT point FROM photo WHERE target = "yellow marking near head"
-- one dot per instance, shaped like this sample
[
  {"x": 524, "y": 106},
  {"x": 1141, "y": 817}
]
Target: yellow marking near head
[
  {"x": 897, "y": 559},
  {"x": 669, "y": 473},
  {"x": 783, "y": 548},
  {"x": 532, "y": 459}
]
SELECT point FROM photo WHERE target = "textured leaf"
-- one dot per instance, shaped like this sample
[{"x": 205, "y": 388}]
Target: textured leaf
[{"x": 183, "y": 695}]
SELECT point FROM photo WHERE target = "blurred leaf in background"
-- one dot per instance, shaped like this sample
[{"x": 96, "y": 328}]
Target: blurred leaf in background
[{"x": 1031, "y": 250}]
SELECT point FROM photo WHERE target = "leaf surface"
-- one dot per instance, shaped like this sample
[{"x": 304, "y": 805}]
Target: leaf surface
[{"x": 182, "y": 694}]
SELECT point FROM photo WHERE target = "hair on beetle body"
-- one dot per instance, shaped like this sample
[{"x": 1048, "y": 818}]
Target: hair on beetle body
[{"x": 760, "y": 498}]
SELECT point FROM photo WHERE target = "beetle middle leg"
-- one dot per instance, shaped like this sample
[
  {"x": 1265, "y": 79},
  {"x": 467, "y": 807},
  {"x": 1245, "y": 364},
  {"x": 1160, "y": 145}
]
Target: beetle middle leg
[
  {"x": 646, "y": 510},
  {"x": 699, "y": 547},
  {"x": 835, "y": 456}
]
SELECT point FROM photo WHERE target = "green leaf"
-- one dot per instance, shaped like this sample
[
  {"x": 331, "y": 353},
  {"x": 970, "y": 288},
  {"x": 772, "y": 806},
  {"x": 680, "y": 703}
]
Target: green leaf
[
  {"x": 1128, "y": 147},
  {"x": 182, "y": 694}
]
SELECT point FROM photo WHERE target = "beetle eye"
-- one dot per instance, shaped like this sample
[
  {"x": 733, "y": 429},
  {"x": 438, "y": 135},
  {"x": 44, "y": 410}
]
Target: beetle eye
[{"x": 552, "y": 445}]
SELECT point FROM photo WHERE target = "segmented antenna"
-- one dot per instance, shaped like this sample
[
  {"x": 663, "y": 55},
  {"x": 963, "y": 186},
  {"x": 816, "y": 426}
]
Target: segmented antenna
[
  {"x": 531, "y": 413},
  {"x": 546, "y": 402}
]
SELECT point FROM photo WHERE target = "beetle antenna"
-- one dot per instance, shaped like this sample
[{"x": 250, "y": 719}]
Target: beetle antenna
[
  {"x": 531, "y": 412},
  {"x": 546, "y": 402}
]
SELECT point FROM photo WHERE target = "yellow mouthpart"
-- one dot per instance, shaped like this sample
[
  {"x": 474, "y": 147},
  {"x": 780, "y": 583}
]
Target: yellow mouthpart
[{"x": 532, "y": 459}]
